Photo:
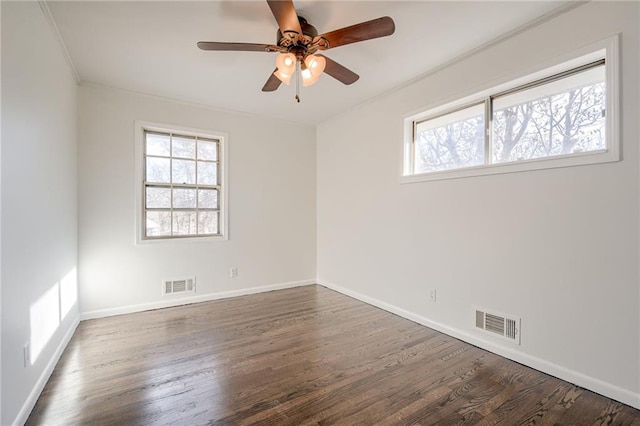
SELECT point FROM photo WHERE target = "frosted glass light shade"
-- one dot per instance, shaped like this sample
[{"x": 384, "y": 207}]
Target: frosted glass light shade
[
  {"x": 313, "y": 68},
  {"x": 286, "y": 62},
  {"x": 311, "y": 80},
  {"x": 315, "y": 64},
  {"x": 283, "y": 77}
]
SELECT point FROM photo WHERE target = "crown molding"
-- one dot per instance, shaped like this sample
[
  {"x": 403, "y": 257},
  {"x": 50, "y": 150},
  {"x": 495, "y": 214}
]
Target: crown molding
[{"x": 56, "y": 33}]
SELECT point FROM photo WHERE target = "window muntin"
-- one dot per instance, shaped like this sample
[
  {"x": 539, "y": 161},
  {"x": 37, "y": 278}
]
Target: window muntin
[{"x": 182, "y": 185}]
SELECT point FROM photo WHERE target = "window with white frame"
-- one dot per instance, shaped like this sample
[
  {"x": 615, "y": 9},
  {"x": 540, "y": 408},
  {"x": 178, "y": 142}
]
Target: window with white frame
[
  {"x": 183, "y": 184},
  {"x": 561, "y": 116}
]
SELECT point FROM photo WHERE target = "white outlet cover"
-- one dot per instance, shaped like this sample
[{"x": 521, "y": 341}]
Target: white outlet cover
[{"x": 27, "y": 354}]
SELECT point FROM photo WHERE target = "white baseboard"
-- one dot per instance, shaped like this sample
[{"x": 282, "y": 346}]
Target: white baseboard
[
  {"x": 31, "y": 400},
  {"x": 100, "y": 313},
  {"x": 607, "y": 389}
]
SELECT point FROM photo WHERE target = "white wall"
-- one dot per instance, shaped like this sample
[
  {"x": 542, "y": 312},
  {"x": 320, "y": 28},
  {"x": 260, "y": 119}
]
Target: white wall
[
  {"x": 557, "y": 247},
  {"x": 272, "y": 197},
  {"x": 39, "y": 203}
]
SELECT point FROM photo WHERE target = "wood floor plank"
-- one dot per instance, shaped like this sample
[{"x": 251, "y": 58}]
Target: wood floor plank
[{"x": 302, "y": 356}]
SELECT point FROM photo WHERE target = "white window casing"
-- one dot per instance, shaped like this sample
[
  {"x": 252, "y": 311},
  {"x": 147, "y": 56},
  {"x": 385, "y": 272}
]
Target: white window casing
[{"x": 193, "y": 207}]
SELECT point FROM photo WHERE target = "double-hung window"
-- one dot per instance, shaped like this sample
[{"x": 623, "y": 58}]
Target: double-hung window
[
  {"x": 183, "y": 186},
  {"x": 561, "y": 116}
]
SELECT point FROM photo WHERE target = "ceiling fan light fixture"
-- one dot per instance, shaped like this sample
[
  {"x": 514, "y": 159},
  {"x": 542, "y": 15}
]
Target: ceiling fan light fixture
[
  {"x": 312, "y": 68},
  {"x": 310, "y": 80},
  {"x": 286, "y": 62},
  {"x": 315, "y": 64},
  {"x": 297, "y": 40}
]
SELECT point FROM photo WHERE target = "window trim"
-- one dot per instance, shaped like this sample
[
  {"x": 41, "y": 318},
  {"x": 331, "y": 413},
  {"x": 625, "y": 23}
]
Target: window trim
[
  {"x": 607, "y": 49},
  {"x": 223, "y": 195}
]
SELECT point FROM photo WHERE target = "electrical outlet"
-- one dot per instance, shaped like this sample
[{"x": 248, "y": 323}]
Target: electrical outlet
[
  {"x": 432, "y": 294},
  {"x": 233, "y": 272},
  {"x": 26, "y": 352}
]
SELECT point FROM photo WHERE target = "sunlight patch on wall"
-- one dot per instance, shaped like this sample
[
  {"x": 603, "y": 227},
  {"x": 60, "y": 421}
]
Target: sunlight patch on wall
[
  {"x": 50, "y": 309},
  {"x": 45, "y": 319},
  {"x": 68, "y": 292}
]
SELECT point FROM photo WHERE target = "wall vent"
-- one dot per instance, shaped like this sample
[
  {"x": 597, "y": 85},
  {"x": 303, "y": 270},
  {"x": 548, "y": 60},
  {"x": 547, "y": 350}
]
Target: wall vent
[
  {"x": 180, "y": 285},
  {"x": 505, "y": 326}
]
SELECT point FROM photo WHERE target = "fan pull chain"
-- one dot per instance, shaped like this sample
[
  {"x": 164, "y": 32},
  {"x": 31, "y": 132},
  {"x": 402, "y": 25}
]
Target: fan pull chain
[{"x": 298, "y": 81}]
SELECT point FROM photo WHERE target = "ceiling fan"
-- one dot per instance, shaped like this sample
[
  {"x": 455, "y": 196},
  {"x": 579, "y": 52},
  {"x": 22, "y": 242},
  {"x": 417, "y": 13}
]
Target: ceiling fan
[{"x": 297, "y": 44}]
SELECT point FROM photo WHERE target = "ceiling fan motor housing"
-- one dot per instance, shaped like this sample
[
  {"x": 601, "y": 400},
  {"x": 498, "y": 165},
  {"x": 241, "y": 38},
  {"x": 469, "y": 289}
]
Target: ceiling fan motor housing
[{"x": 309, "y": 32}]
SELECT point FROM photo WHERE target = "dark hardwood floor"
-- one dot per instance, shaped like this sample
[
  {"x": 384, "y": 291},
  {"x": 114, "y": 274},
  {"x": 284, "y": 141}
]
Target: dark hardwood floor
[{"x": 303, "y": 356}]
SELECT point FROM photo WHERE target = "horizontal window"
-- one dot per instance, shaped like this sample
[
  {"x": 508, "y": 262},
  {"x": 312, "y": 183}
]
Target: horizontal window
[{"x": 562, "y": 117}]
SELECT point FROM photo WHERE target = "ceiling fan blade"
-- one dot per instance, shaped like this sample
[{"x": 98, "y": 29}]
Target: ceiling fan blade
[
  {"x": 339, "y": 72},
  {"x": 272, "y": 83},
  {"x": 286, "y": 16},
  {"x": 360, "y": 32},
  {"x": 246, "y": 47}
]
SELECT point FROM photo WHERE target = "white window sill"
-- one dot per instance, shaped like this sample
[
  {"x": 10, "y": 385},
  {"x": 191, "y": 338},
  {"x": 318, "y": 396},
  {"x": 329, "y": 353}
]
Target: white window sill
[
  {"x": 180, "y": 240},
  {"x": 569, "y": 160}
]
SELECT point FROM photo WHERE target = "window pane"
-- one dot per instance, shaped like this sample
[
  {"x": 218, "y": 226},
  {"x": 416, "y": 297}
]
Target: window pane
[
  {"x": 208, "y": 198},
  {"x": 207, "y": 173},
  {"x": 184, "y": 171},
  {"x": 158, "y": 198},
  {"x": 451, "y": 141},
  {"x": 207, "y": 222},
  {"x": 158, "y": 224},
  {"x": 184, "y": 198},
  {"x": 207, "y": 150},
  {"x": 561, "y": 117},
  {"x": 184, "y": 223},
  {"x": 157, "y": 144},
  {"x": 158, "y": 170},
  {"x": 183, "y": 147}
]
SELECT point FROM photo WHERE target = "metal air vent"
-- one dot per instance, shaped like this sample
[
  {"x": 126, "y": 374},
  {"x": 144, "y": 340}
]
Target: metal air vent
[
  {"x": 181, "y": 285},
  {"x": 505, "y": 326}
]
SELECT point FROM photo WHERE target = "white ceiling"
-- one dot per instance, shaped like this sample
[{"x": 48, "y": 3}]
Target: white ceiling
[{"x": 150, "y": 47}]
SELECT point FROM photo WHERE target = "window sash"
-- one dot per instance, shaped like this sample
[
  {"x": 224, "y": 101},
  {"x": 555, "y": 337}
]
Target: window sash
[
  {"x": 417, "y": 123},
  {"x": 172, "y": 235}
]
